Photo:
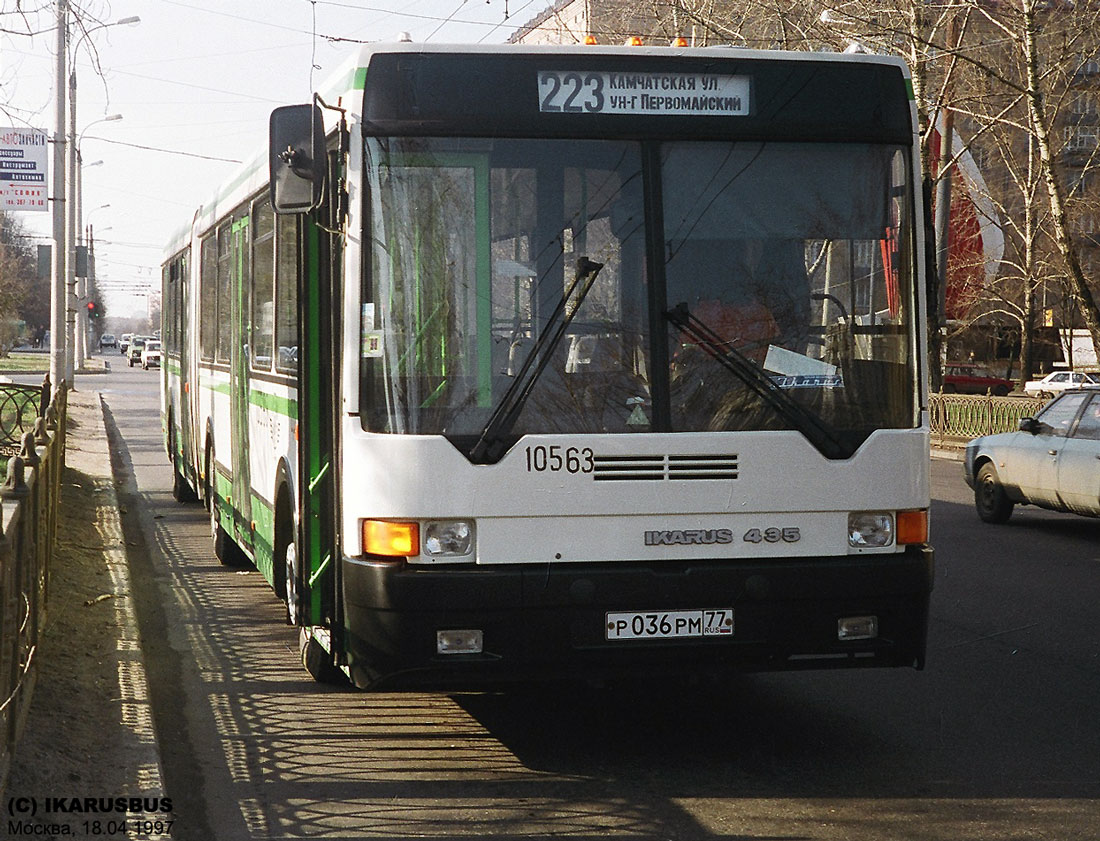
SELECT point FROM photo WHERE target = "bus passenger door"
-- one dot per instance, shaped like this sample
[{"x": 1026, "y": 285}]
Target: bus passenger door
[
  {"x": 319, "y": 359},
  {"x": 238, "y": 382},
  {"x": 187, "y": 431}
]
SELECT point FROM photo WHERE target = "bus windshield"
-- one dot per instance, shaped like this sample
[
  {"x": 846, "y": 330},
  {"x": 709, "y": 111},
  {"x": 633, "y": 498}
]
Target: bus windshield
[{"x": 740, "y": 285}]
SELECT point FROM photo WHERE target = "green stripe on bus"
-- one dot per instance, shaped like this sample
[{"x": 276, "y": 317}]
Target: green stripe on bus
[
  {"x": 274, "y": 403},
  {"x": 286, "y": 406}
]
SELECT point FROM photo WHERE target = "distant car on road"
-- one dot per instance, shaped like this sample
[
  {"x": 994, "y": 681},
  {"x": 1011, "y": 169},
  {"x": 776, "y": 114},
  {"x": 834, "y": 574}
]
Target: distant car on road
[
  {"x": 124, "y": 343},
  {"x": 150, "y": 354},
  {"x": 107, "y": 340},
  {"x": 973, "y": 379},
  {"x": 1051, "y": 462},
  {"x": 1057, "y": 382},
  {"x": 133, "y": 352}
]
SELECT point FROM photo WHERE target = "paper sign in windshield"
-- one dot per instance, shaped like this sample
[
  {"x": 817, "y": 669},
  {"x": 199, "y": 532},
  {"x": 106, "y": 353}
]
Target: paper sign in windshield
[{"x": 674, "y": 94}]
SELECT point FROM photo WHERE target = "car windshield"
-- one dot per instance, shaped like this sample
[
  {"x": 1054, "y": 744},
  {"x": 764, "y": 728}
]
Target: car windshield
[{"x": 517, "y": 279}]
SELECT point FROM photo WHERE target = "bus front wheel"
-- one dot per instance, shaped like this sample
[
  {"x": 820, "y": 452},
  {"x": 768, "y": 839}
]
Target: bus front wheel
[{"x": 317, "y": 661}]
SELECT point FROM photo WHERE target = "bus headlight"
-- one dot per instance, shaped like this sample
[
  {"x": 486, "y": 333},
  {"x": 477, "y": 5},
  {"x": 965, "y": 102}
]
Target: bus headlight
[
  {"x": 870, "y": 529},
  {"x": 448, "y": 538}
]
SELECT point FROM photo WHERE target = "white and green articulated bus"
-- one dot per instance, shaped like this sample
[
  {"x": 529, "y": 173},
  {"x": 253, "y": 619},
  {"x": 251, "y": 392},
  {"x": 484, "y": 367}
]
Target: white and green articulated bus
[{"x": 510, "y": 363}]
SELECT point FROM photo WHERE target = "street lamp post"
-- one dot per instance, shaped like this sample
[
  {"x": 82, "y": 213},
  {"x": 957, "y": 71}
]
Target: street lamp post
[
  {"x": 73, "y": 326},
  {"x": 84, "y": 285},
  {"x": 60, "y": 246},
  {"x": 82, "y": 321},
  {"x": 63, "y": 320}
]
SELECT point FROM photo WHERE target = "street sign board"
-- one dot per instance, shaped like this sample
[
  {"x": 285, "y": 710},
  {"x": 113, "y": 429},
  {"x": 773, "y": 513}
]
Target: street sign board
[{"x": 24, "y": 154}]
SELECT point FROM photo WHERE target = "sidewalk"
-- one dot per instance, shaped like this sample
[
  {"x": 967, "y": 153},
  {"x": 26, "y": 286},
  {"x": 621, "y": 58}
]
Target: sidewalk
[{"x": 90, "y": 729}]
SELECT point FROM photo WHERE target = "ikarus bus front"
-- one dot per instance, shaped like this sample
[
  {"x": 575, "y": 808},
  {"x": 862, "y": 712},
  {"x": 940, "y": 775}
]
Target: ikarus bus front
[{"x": 609, "y": 361}]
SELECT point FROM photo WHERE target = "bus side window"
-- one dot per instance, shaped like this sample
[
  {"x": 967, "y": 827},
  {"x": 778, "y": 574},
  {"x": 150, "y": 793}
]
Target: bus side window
[
  {"x": 286, "y": 293},
  {"x": 208, "y": 301},
  {"x": 263, "y": 284}
]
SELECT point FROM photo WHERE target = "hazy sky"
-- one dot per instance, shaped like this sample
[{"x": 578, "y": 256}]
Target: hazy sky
[{"x": 194, "y": 82}]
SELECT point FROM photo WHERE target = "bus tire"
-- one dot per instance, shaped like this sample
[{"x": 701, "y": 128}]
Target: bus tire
[
  {"x": 181, "y": 491},
  {"x": 990, "y": 499},
  {"x": 208, "y": 476},
  {"x": 285, "y": 573},
  {"x": 318, "y": 662},
  {"x": 225, "y": 549}
]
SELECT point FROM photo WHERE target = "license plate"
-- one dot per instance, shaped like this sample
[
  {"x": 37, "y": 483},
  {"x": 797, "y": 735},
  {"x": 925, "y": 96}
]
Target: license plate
[{"x": 670, "y": 624}]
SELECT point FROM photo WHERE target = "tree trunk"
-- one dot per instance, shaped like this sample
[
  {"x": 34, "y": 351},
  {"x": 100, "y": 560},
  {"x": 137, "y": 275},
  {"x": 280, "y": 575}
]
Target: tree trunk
[{"x": 1082, "y": 294}]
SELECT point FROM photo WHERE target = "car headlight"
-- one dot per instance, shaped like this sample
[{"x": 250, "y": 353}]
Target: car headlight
[
  {"x": 448, "y": 538},
  {"x": 870, "y": 529}
]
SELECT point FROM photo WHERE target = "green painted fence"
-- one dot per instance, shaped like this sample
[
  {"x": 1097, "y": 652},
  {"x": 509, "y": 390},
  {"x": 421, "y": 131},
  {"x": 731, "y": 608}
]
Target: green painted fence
[{"x": 956, "y": 418}]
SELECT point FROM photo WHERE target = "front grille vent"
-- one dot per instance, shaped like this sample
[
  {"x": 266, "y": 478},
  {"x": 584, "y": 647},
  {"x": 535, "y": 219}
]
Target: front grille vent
[{"x": 664, "y": 468}]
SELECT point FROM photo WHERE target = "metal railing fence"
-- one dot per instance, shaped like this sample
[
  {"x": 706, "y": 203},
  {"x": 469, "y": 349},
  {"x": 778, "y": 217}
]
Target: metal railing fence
[
  {"x": 29, "y": 500},
  {"x": 20, "y": 407},
  {"x": 958, "y": 417}
]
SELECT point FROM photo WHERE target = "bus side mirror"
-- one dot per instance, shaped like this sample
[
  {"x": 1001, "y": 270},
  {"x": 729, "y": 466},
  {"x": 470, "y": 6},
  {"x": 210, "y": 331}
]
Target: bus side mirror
[{"x": 296, "y": 157}]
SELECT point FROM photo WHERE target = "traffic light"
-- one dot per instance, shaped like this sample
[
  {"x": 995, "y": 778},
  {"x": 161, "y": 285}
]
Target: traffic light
[{"x": 93, "y": 309}]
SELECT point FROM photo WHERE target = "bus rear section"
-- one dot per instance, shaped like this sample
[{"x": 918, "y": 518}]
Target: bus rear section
[{"x": 630, "y": 370}]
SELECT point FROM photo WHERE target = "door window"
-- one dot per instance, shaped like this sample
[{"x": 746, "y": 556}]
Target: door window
[{"x": 1057, "y": 418}]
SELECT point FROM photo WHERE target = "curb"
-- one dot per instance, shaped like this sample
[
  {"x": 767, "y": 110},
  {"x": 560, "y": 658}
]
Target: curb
[{"x": 948, "y": 453}]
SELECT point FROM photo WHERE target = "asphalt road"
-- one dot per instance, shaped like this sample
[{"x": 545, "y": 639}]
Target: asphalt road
[{"x": 998, "y": 738}]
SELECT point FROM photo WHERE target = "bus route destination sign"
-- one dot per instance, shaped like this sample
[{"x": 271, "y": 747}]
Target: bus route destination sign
[
  {"x": 674, "y": 94},
  {"x": 24, "y": 154}
]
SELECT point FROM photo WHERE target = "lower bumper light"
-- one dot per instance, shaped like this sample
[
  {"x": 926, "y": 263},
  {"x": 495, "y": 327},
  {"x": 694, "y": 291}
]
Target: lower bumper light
[
  {"x": 459, "y": 642},
  {"x": 857, "y": 628}
]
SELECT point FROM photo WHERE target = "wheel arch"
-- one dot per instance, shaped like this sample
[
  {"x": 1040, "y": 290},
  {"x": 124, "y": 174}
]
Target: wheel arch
[
  {"x": 286, "y": 519},
  {"x": 209, "y": 457},
  {"x": 169, "y": 430}
]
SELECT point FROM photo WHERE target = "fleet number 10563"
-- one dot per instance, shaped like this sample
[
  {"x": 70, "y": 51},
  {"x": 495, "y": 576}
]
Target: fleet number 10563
[{"x": 556, "y": 459}]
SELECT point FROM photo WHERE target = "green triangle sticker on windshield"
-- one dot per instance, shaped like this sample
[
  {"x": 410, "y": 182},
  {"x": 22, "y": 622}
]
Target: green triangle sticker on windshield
[{"x": 637, "y": 417}]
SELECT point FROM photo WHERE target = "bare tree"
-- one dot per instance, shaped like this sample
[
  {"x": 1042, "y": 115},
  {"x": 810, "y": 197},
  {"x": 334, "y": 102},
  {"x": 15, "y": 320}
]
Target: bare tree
[
  {"x": 18, "y": 267},
  {"x": 1011, "y": 67}
]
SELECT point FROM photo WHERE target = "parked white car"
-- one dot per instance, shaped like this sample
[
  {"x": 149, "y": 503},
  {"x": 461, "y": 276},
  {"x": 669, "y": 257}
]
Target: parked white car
[
  {"x": 1054, "y": 384},
  {"x": 1051, "y": 462}
]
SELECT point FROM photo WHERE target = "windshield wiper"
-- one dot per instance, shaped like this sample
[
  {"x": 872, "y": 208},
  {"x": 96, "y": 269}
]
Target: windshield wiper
[
  {"x": 487, "y": 449},
  {"x": 758, "y": 381}
]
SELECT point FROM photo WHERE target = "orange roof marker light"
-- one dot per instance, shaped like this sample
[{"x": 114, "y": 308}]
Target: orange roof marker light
[
  {"x": 635, "y": 41},
  {"x": 590, "y": 41},
  {"x": 679, "y": 41}
]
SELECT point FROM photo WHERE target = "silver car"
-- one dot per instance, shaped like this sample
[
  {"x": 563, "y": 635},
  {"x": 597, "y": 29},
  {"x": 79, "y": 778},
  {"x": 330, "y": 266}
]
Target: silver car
[{"x": 1052, "y": 462}]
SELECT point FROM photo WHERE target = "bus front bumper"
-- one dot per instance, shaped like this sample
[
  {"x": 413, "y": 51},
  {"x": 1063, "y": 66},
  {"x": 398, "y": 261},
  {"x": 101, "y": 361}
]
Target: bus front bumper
[{"x": 551, "y": 621}]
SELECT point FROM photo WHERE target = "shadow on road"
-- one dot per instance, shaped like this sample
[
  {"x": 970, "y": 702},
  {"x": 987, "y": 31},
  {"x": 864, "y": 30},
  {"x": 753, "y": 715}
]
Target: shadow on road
[{"x": 253, "y": 749}]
